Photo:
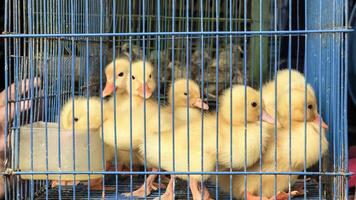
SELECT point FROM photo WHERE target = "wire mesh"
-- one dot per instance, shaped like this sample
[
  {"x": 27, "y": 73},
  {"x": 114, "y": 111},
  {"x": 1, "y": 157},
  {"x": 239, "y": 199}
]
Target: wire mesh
[{"x": 63, "y": 48}]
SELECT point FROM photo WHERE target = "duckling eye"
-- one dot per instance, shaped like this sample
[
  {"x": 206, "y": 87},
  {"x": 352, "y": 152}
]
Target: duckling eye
[
  {"x": 254, "y": 104},
  {"x": 150, "y": 76},
  {"x": 310, "y": 106},
  {"x": 121, "y": 74},
  {"x": 185, "y": 94},
  {"x": 76, "y": 119},
  {"x": 133, "y": 77}
]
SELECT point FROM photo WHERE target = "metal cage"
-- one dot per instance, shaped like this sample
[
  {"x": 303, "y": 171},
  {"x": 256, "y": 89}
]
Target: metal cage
[{"x": 66, "y": 44}]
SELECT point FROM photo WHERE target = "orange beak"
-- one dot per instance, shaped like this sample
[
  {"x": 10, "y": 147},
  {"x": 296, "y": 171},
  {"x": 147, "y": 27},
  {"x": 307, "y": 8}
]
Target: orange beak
[
  {"x": 318, "y": 119},
  {"x": 144, "y": 88},
  {"x": 267, "y": 118},
  {"x": 109, "y": 89},
  {"x": 199, "y": 103}
]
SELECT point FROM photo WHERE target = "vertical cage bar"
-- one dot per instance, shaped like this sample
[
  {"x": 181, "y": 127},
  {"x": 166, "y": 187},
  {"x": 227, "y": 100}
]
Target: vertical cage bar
[{"x": 318, "y": 17}]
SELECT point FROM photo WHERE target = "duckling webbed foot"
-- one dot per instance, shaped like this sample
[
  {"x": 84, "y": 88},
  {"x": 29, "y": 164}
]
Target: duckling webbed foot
[
  {"x": 196, "y": 191},
  {"x": 279, "y": 196},
  {"x": 57, "y": 183},
  {"x": 285, "y": 195},
  {"x": 168, "y": 195},
  {"x": 150, "y": 185}
]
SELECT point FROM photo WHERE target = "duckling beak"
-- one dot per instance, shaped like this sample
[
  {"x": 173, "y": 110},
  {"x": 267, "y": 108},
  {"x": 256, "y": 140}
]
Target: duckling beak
[
  {"x": 199, "y": 103},
  {"x": 267, "y": 118},
  {"x": 144, "y": 88},
  {"x": 318, "y": 119},
  {"x": 109, "y": 89}
]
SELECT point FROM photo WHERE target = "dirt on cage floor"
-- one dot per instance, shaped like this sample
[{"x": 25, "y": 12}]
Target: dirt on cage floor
[{"x": 81, "y": 191}]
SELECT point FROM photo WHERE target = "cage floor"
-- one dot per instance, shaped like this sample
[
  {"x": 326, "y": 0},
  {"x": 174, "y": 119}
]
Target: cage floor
[{"x": 81, "y": 191}]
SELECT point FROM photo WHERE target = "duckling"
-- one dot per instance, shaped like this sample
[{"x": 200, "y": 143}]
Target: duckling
[
  {"x": 81, "y": 118},
  {"x": 138, "y": 91},
  {"x": 122, "y": 66},
  {"x": 122, "y": 72},
  {"x": 140, "y": 87},
  {"x": 80, "y": 114},
  {"x": 248, "y": 113},
  {"x": 181, "y": 95},
  {"x": 281, "y": 145},
  {"x": 209, "y": 141},
  {"x": 180, "y": 108},
  {"x": 282, "y": 78}
]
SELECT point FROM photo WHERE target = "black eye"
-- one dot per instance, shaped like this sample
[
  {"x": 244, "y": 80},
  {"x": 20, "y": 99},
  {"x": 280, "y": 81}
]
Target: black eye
[
  {"x": 150, "y": 76},
  {"x": 185, "y": 94},
  {"x": 254, "y": 104},
  {"x": 76, "y": 119},
  {"x": 133, "y": 78},
  {"x": 310, "y": 106},
  {"x": 121, "y": 74}
]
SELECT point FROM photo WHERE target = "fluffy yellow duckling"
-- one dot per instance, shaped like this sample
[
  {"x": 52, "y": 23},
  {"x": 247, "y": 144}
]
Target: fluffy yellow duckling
[
  {"x": 181, "y": 95},
  {"x": 81, "y": 122},
  {"x": 282, "y": 78},
  {"x": 122, "y": 66},
  {"x": 281, "y": 145},
  {"x": 137, "y": 91},
  {"x": 133, "y": 118},
  {"x": 242, "y": 113},
  {"x": 80, "y": 114},
  {"x": 209, "y": 141}
]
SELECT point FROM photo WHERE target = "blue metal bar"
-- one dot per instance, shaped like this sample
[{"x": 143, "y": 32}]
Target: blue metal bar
[
  {"x": 16, "y": 118},
  {"x": 305, "y": 113},
  {"x": 290, "y": 98},
  {"x": 144, "y": 100},
  {"x": 172, "y": 83},
  {"x": 59, "y": 82},
  {"x": 320, "y": 100},
  {"x": 261, "y": 90},
  {"x": 187, "y": 71},
  {"x": 245, "y": 99},
  {"x": 231, "y": 101},
  {"x": 103, "y": 161},
  {"x": 87, "y": 86},
  {"x": 333, "y": 108},
  {"x": 159, "y": 92},
  {"x": 217, "y": 96},
  {"x": 130, "y": 49},
  {"x": 202, "y": 94},
  {"x": 345, "y": 111},
  {"x": 115, "y": 99},
  {"x": 275, "y": 134},
  {"x": 330, "y": 50},
  {"x": 46, "y": 94},
  {"x": 30, "y": 24},
  {"x": 192, "y": 33},
  {"x": 73, "y": 93},
  {"x": 6, "y": 70},
  {"x": 298, "y": 36},
  {"x": 186, "y": 173}
]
